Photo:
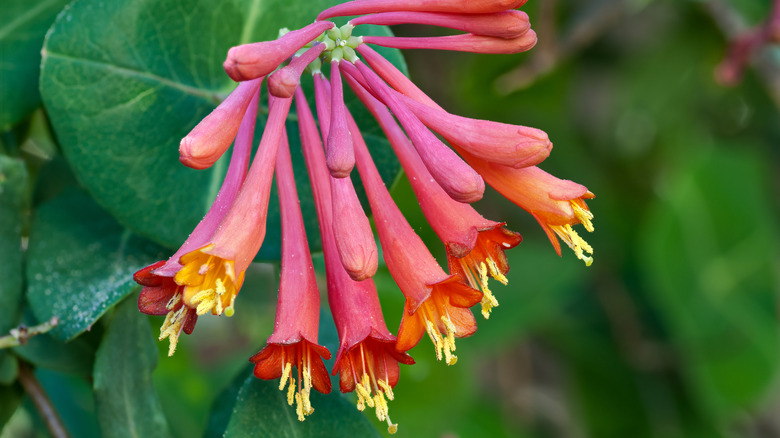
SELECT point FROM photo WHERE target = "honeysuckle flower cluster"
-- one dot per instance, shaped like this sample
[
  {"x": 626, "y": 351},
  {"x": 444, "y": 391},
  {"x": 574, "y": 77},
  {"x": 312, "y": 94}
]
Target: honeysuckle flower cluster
[{"x": 206, "y": 273}]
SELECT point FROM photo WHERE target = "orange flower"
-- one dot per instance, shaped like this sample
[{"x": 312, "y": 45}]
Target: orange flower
[
  {"x": 294, "y": 340},
  {"x": 444, "y": 314},
  {"x": 212, "y": 275},
  {"x": 276, "y": 361},
  {"x": 370, "y": 368},
  {"x": 436, "y": 303},
  {"x": 475, "y": 245},
  {"x": 367, "y": 359},
  {"x": 557, "y": 204},
  {"x": 486, "y": 257},
  {"x": 161, "y": 294}
]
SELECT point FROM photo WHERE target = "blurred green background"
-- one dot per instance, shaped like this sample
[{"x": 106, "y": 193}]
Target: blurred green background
[{"x": 672, "y": 332}]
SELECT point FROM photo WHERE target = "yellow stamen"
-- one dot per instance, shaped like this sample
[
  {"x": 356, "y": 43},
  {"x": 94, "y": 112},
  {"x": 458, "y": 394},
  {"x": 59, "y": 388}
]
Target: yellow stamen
[
  {"x": 477, "y": 276},
  {"x": 495, "y": 273},
  {"x": 300, "y": 394},
  {"x": 387, "y": 388},
  {"x": 209, "y": 282},
  {"x": 584, "y": 215},
  {"x": 291, "y": 391},
  {"x": 443, "y": 344},
  {"x": 372, "y": 391},
  {"x": 173, "y": 324},
  {"x": 575, "y": 242},
  {"x": 286, "y": 368},
  {"x": 299, "y": 407},
  {"x": 364, "y": 397}
]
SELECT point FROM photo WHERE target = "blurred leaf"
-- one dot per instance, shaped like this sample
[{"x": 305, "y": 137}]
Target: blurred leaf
[
  {"x": 223, "y": 405},
  {"x": 261, "y": 410},
  {"x": 73, "y": 399},
  {"x": 53, "y": 179},
  {"x": 541, "y": 284},
  {"x": 80, "y": 263},
  {"x": 710, "y": 252},
  {"x": 9, "y": 368},
  {"x": 127, "y": 405},
  {"x": 13, "y": 183},
  {"x": 123, "y": 91},
  {"x": 74, "y": 357},
  {"x": 10, "y": 398},
  {"x": 23, "y": 24}
]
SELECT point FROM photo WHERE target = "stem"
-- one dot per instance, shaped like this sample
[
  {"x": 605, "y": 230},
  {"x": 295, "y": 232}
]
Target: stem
[
  {"x": 41, "y": 400},
  {"x": 21, "y": 334}
]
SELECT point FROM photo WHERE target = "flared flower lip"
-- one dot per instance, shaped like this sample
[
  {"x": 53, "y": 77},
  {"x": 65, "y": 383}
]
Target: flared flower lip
[
  {"x": 460, "y": 304},
  {"x": 320, "y": 380},
  {"x": 296, "y": 338},
  {"x": 157, "y": 290},
  {"x": 388, "y": 342}
]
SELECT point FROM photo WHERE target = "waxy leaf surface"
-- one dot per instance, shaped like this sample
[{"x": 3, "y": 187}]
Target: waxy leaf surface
[{"x": 81, "y": 262}]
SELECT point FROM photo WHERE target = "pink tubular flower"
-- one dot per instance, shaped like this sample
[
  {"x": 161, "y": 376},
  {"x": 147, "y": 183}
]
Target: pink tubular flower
[
  {"x": 367, "y": 359},
  {"x": 351, "y": 228},
  {"x": 352, "y": 231},
  {"x": 500, "y": 143},
  {"x": 360, "y": 7},
  {"x": 294, "y": 339},
  {"x": 250, "y": 61},
  {"x": 339, "y": 154},
  {"x": 207, "y": 141},
  {"x": 463, "y": 43},
  {"x": 502, "y": 24},
  {"x": 475, "y": 245},
  {"x": 206, "y": 273},
  {"x": 435, "y": 302},
  {"x": 283, "y": 82},
  {"x": 556, "y": 204},
  {"x": 161, "y": 295},
  {"x": 212, "y": 274},
  {"x": 390, "y": 74},
  {"x": 459, "y": 180}
]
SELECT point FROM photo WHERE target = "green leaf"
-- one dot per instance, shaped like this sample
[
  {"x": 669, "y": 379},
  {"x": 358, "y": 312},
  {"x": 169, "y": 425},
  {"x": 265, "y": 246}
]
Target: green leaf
[
  {"x": 123, "y": 91},
  {"x": 73, "y": 400},
  {"x": 261, "y": 410},
  {"x": 10, "y": 398},
  {"x": 710, "y": 251},
  {"x": 43, "y": 351},
  {"x": 80, "y": 263},
  {"x": 222, "y": 407},
  {"x": 9, "y": 368},
  {"x": 13, "y": 183},
  {"x": 127, "y": 405},
  {"x": 23, "y": 25}
]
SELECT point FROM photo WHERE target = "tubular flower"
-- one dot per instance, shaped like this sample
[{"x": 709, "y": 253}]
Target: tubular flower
[
  {"x": 436, "y": 303},
  {"x": 555, "y": 203},
  {"x": 367, "y": 359},
  {"x": 475, "y": 245},
  {"x": 294, "y": 340},
  {"x": 212, "y": 275},
  {"x": 162, "y": 295},
  {"x": 203, "y": 146},
  {"x": 447, "y": 158}
]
